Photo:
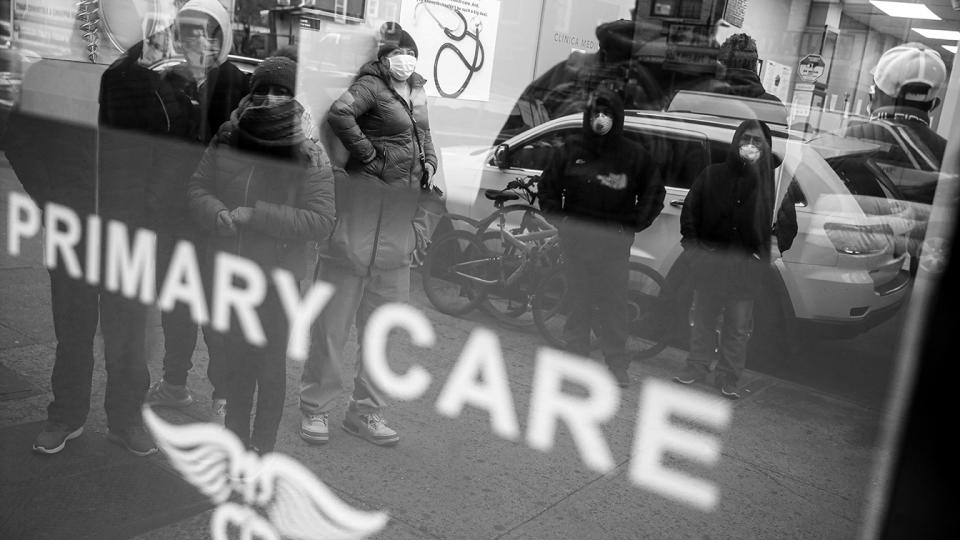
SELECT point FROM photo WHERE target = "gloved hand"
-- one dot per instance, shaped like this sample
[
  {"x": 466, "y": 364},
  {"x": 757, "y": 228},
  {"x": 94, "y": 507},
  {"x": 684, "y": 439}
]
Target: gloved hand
[
  {"x": 225, "y": 226},
  {"x": 241, "y": 215}
]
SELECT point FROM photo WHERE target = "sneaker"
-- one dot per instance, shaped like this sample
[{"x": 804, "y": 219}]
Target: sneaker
[
  {"x": 53, "y": 437},
  {"x": 729, "y": 391},
  {"x": 219, "y": 406},
  {"x": 135, "y": 439},
  {"x": 371, "y": 427},
  {"x": 164, "y": 394},
  {"x": 315, "y": 428},
  {"x": 689, "y": 376}
]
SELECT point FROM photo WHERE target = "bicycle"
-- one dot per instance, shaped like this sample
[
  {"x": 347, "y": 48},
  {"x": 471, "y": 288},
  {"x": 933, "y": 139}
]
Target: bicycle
[
  {"x": 648, "y": 320},
  {"x": 496, "y": 270}
]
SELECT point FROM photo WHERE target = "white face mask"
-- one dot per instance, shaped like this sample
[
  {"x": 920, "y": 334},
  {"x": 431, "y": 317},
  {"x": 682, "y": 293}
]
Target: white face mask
[
  {"x": 750, "y": 153},
  {"x": 402, "y": 66},
  {"x": 601, "y": 124},
  {"x": 269, "y": 100}
]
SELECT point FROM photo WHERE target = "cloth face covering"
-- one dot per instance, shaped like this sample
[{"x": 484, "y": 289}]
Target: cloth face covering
[
  {"x": 402, "y": 66},
  {"x": 601, "y": 124}
]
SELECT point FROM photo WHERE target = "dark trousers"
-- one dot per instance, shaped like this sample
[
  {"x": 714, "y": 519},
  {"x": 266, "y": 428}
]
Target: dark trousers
[
  {"x": 179, "y": 328},
  {"x": 598, "y": 268},
  {"x": 249, "y": 369},
  {"x": 708, "y": 305},
  {"x": 76, "y": 309}
]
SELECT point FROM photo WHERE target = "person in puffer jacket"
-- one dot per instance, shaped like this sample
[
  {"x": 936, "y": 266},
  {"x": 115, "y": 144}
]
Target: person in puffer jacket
[
  {"x": 600, "y": 188},
  {"x": 386, "y": 211},
  {"x": 262, "y": 191}
]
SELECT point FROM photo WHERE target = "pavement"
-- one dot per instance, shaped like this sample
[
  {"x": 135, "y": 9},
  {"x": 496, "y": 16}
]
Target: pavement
[{"x": 795, "y": 462}]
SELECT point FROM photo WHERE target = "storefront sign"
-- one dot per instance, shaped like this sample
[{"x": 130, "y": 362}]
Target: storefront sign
[
  {"x": 811, "y": 68},
  {"x": 456, "y": 40}
]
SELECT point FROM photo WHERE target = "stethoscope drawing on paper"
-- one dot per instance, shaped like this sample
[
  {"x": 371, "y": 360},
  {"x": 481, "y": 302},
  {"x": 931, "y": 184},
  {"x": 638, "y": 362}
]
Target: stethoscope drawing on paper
[{"x": 478, "y": 53}]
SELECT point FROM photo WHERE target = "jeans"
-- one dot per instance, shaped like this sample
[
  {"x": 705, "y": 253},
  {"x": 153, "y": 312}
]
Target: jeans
[
  {"x": 76, "y": 306},
  {"x": 734, "y": 334},
  {"x": 250, "y": 369},
  {"x": 179, "y": 328},
  {"x": 354, "y": 299},
  {"x": 597, "y": 266}
]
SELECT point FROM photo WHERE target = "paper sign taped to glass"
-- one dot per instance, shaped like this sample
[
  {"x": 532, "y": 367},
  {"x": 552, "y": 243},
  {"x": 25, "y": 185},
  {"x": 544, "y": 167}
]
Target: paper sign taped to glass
[{"x": 456, "y": 40}]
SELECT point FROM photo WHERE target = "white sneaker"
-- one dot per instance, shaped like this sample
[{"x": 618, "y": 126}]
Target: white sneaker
[
  {"x": 315, "y": 428},
  {"x": 371, "y": 427}
]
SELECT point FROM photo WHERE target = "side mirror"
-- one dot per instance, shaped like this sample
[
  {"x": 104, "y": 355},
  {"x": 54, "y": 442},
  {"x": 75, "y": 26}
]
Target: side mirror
[{"x": 501, "y": 156}]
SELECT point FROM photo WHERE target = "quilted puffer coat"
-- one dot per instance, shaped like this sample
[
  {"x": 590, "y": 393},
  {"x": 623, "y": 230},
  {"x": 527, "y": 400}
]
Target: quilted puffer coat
[
  {"x": 381, "y": 210},
  {"x": 293, "y": 202}
]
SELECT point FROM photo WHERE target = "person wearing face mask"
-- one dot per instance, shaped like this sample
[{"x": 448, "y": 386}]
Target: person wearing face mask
[
  {"x": 262, "y": 191},
  {"x": 727, "y": 224},
  {"x": 206, "y": 89},
  {"x": 387, "y": 209},
  {"x": 600, "y": 189}
]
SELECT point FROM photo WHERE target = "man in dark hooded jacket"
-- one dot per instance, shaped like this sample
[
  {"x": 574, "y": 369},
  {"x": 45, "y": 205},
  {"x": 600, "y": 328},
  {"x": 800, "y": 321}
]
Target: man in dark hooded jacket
[
  {"x": 600, "y": 188},
  {"x": 727, "y": 224},
  {"x": 154, "y": 129}
]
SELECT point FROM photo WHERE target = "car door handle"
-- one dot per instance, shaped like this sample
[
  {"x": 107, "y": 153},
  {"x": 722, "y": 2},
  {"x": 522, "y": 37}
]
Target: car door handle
[{"x": 677, "y": 203}]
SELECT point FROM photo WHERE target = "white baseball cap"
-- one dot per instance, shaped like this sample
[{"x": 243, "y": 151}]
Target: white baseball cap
[{"x": 910, "y": 63}]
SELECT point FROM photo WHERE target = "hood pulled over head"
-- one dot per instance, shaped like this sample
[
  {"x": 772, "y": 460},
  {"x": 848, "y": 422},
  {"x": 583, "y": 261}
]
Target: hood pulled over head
[
  {"x": 214, "y": 9},
  {"x": 603, "y": 117},
  {"x": 766, "y": 149}
]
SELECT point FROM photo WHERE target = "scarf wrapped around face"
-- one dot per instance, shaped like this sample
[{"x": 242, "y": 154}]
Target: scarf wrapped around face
[{"x": 270, "y": 125}]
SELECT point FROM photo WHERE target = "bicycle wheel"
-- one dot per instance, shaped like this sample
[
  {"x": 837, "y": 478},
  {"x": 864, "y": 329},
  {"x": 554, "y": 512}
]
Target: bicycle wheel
[
  {"x": 447, "y": 273},
  {"x": 511, "y": 304},
  {"x": 646, "y": 324}
]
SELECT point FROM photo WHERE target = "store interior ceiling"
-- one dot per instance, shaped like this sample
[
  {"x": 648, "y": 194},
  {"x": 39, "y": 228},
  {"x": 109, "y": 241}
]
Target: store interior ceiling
[{"x": 865, "y": 12}]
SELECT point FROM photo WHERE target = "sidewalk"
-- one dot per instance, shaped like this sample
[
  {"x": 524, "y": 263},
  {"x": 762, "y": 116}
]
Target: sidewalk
[{"x": 796, "y": 463}]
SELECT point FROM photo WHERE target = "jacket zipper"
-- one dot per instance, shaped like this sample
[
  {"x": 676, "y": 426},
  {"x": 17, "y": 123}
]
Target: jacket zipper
[
  {"x": 376, "y": 239},
  {"x": 246, "y": 194}
]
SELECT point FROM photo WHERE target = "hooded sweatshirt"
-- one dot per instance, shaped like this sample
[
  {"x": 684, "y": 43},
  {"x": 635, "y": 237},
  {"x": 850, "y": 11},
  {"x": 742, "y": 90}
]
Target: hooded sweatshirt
[
  {"x": 606, "y": 179},
  {"x": 728, "y": 214}
]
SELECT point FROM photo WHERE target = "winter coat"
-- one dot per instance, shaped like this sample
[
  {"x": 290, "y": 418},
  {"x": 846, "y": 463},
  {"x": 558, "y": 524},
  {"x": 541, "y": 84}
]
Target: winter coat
[
  {"x": 151, "y": 137},
  {"x": 382, "y": 213},
  {"x": 727, "y": 221},
  {"x": 606, "y": 180},
  {"x": 292, "y": 201},
  {"x": 745, "y": 83}
]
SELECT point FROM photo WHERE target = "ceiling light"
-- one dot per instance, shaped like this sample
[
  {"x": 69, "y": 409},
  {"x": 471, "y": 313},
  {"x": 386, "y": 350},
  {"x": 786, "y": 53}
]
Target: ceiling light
[
  {"x": 950, "y": 48},
  {"x": 946, "y": 35},
  {"x": 906, "y": 10}
]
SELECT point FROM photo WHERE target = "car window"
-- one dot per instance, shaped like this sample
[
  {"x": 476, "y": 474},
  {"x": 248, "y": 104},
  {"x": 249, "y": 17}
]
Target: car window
[
  {"x": 678, "y": 159},
  {"x": 536, "y": 153}
]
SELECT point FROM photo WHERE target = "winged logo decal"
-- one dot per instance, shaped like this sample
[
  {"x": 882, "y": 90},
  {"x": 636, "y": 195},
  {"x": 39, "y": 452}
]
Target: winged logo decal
[{"x": 268, "y": 497}]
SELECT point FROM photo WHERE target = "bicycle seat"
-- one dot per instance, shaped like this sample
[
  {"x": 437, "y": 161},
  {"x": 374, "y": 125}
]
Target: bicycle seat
[{"x": 500, "y": 196}]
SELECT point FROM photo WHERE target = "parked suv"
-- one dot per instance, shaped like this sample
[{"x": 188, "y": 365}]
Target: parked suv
[{"x": 843, "y": 274}]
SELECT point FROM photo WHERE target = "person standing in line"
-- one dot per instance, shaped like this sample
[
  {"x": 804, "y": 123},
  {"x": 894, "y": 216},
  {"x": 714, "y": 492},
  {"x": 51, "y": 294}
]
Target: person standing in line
[
  {"x": 263, "y": 189},
  {"x": 727, "y": 224},
  {"x": 386, "y": 211},
  {"x": 601, "y": 189},
  {"x": 207, "y": 88}
]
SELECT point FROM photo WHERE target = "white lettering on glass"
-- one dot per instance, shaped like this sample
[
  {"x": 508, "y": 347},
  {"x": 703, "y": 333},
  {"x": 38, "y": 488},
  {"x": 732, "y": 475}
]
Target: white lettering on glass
[
  {"x": 183, "y": 283},
  {"x": 387, "y": 317},
  {"x": 129, "y": 268},
  {"x": 549, "y": 405},
  {"x": 656, "y": 435},
  {"x": 242, "y": 298},
  {"x": 301, "y": 312},
  {"x": 480, "y": 379},
  {"x": 23, "y": 221}
]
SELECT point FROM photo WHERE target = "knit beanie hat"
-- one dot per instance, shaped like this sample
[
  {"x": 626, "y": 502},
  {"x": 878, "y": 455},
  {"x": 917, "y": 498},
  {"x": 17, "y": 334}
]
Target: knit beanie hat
[
  {"x": 739, "y": 51},
  {"x": 276, "y": 70},
  {"x": 392, "y": 37}
]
